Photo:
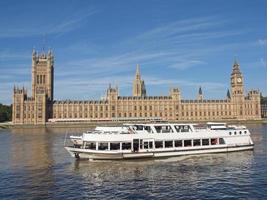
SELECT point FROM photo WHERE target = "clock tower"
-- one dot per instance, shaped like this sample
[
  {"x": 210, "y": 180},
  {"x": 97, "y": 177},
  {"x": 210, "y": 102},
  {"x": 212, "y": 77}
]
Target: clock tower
[
  {"x": 237, "y": 83},
  {"x": 237, "y": 90}
]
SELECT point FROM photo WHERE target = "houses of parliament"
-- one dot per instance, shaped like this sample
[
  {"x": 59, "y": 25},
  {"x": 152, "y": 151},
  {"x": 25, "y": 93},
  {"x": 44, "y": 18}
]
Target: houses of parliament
[{"x": 41, "y": 107}]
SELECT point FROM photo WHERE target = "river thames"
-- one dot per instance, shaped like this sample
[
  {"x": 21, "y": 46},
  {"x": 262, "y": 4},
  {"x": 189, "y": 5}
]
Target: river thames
[{"x": 34, "y": 165}]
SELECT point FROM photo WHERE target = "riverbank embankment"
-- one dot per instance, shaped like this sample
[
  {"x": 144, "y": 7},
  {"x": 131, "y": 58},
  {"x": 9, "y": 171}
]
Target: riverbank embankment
[{"x": 109, "y": 123}]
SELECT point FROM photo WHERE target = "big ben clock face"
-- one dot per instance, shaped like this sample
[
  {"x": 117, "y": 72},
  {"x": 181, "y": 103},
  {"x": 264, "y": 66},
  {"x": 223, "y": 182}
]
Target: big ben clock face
[{"x": 239, "y": 80}]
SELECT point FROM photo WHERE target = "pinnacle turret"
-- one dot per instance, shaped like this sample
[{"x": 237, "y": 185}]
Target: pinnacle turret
[
  {"x": 137, "y": 73},
  {"x": 33, "y": 52}
]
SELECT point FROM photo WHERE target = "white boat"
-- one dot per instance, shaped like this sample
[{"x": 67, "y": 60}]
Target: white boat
[{"x": 159, "y": 140}]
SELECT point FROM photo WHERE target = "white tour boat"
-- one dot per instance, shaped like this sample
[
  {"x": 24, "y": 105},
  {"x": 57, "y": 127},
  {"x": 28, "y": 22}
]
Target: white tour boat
[{"x": 159, "y": 140}]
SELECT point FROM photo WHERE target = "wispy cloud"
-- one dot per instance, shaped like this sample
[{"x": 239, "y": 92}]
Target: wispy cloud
[
  {"x": 177, "y": 45},
  {"x": 263, "y": 62},
  {"x": 7, "y": 55},
  {"x": 262, "y": 42},
  {"x": 153, "y": 81},
  {"x": 179, "y": 27},
  {"x": 259, "y": 63},
  {"x": 116, "y": 63},
  {"x": 173, "y": 46},
  {"x": 91, "y": 88},
  {"x": 66, "y": 24},
  {"x": 185, "y": 33},
  {"x": 187, "y": 63},
  {"x": 14, "y": 72}
]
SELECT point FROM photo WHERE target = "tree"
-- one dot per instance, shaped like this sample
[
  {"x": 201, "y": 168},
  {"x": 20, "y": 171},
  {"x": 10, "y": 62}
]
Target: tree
[{"x": 5, "y": 113}]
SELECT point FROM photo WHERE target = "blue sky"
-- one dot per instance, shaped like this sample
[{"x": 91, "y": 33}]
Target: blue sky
[{"x": 181, "y": 43}]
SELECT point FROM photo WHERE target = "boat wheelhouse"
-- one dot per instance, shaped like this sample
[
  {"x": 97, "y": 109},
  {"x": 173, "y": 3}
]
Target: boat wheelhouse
[{"x": 159, "y": 140}]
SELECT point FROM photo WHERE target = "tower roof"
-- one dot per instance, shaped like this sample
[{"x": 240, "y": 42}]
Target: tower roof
[
  {"x": 228, "y": 94},
  {"x": 236, "y": 68},
  {"x": 200, "y": 91}
]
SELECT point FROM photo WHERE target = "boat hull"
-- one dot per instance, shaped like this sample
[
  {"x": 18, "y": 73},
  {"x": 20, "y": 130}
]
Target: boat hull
[{"x": 96, "y": 155}]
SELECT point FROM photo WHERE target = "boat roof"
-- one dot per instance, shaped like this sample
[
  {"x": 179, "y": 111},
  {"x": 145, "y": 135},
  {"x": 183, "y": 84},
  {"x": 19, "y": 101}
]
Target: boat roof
[
  {"x": 158, "y": 124},
  {"x": 216, "y": 123}
]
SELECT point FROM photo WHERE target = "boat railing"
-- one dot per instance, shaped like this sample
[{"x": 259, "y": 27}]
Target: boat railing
[
  {"x": 200, "y": 129},
  {"x": 237, "y": 127},
  {"x": 111, "y": 132},
  {"x": 68, "y": 140}
]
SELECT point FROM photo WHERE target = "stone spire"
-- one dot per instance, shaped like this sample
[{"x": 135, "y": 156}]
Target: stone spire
[
  {"x": 200, "y": 91},
  {"x": 200, "y": 94},
  {"x": 137, "y": 73},
  {"x": 139, "y": 89},
  {"x": 143, "y": 89},
  {"x": 228, "y": 94},
  {"x": 50, "y": 53}
]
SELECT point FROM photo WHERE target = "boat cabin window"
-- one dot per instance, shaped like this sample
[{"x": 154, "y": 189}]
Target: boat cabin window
[
  {"x": 178, "y": 143},
  {"x": 148, "y": 129},
  {"x": 114, "y": 146},
  {"x": 221, "y": 141},
  {"x": 151, "y": 145},
  {"x": 135, "y": 145},
  {"x": 163, "y": 129},
  {"x": 90, "y": 145},
  {"x": 158, "y": 129},
  {"x": 217, "y": 128},
  {"x": 126, "y": 145},
  {"x": 102, "y": 146},
  {"x": 196, "y": 142},
  {"x": 214, "y": 141},
  {"x": 187, "y": 143},
  {"x": 182, "y": 128},
  {"x": 205, "y": 142},
  {"x": 158, "y": 144},
  {"x": 148, "y": 145},
  {"x": 138, "y": 127},
  {"x": 168, "y": 144},
  {"x": 141, "y": 144}
]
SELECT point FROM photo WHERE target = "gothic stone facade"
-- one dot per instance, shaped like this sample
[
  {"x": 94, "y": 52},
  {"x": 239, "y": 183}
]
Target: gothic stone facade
[
  {"x": 264, "y": 107},
  {"x": 41, "y": 107},
  {"x": 38, "y": 108}
]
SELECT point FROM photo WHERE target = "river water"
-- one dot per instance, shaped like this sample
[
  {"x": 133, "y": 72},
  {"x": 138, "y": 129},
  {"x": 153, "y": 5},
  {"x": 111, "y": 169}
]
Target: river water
[{"x": 34, "y": 165}]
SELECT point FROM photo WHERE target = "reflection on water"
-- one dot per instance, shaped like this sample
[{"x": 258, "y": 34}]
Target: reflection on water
[
  {"x": 35, "y": 165},
  {"x": 164, "y": 177},
  {"x": 26, "y": 150}
]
